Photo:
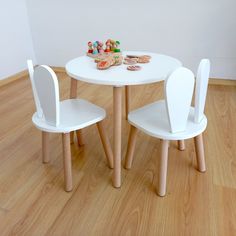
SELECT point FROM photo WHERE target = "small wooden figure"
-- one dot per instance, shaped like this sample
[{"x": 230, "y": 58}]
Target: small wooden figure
[
  {"x": 95, "y": 49},
  {"x": 100, "y": 47},
  {"x": 117, "y": 44},
  {"x": 108, "y": 46},
  {"x": 90, "y": 47}
]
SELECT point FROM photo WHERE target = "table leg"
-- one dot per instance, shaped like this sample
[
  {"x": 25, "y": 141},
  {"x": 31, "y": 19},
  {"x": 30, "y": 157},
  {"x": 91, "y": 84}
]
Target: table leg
[
  {"x": 127, "y": 101},
  {"x": 73, "y": 94},
  {"x": 117, "y": 116}
]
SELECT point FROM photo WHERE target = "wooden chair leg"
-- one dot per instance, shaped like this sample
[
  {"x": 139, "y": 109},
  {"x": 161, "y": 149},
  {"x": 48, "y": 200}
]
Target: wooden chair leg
[
  {"x": 73, "y": 94},
  {"x": 127, "y": 101},
  {"x": 163, "y": 168},
  {"x": 117, "y": 126},
  {"x": 67, "y": 162},
  {"x": 80, "y": 139},
  {"x": 181, "y": 145},
  {"x": 106, "y": 144},
  {"x": 131, "y": 147},
  {"x": 45, "y": 147},
  {"x": 198, "y": 141}
]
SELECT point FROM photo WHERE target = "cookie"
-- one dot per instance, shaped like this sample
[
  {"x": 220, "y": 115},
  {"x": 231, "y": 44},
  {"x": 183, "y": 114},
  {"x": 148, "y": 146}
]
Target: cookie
[{"x": 134, "y": 68}]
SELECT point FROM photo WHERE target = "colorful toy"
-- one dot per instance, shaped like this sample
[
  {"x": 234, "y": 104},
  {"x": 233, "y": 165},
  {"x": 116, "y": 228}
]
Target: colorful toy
[
  {"x": 114, "y": 59},
  {"x": 116, "y": 45},
  {"x": 90, "y": 47},
  {"x": 95, "y": 49},
  {"x": 108, "y": 46},
  {"x": 100, "y": 47}
]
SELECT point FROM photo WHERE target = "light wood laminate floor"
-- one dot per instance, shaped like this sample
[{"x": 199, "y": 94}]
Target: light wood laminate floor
[{"x": 33, "y": 202}]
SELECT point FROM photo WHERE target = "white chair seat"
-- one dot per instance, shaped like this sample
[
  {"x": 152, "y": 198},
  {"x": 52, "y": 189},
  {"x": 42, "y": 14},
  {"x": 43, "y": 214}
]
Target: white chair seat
[
  {"x": 75, "y": 114},
  {"x": 153, "y": 120}
]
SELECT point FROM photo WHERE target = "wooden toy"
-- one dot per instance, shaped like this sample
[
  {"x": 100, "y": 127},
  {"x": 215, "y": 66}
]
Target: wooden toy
[
  {"x": 114, "y": 59},
  {"x": 108, "y": 46},
  {"x": 130, "y": 61},
  {"x": 117, "y": 44},
  {"x": 100, "y": 47},
  {"x": 90, "y": 47},
  {"x": 95, "y": 49},
  {"x": 134, "y": 68}
]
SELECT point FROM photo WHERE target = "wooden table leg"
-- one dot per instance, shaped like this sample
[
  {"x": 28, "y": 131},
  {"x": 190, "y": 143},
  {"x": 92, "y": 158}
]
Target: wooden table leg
[
  {"x": 117, "y": 116},
  {"x": 127, "y": 101},
  {"x": 73, "y": 94}
]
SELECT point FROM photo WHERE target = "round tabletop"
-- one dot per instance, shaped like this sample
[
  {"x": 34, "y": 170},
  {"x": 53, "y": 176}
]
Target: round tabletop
[{"x": 84, "y": 68}]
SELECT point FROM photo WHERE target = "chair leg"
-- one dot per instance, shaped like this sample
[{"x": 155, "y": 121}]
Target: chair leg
[
  {"x": 67, "y": 162},
  {"x": 163, "y": 168},
  {"x": 80, "y": 139},
  {"x": 198, "y": 141},
  {"x": 73, "y": 94},
  {"x": 105, "y": 143},
  {"x": 181, "y": 145},
  {"x": 131, "y": 147},
  {"x": 45, "y": 146},
  {"x": 127, "y": 101}
]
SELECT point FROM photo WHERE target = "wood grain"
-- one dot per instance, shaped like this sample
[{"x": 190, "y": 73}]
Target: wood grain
[{"x": 32, "y": 200}]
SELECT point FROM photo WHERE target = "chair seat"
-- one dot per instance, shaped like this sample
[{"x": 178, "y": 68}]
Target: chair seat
[
  {"x": 75, "y": 114},
  {"x": 152, "y": 119}
]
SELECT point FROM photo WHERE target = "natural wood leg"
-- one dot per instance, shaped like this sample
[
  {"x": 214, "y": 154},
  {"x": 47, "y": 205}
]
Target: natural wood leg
[
  {"x": 45, "y": 146},
  {"x": 105, "y": 143},
  {"x": 198, "y": 141},
  {"x": 163, "y": 168},
  {"x": 80, "y": 139},
  {"x": 131, "y": 147},
  {"x": 127, "y": 101},
  {"x": 73, "y": 94},
  {"x": 181, "y": 145},
  {"x": 117, "y": 114},
  {"x": 67, "y": 162}
]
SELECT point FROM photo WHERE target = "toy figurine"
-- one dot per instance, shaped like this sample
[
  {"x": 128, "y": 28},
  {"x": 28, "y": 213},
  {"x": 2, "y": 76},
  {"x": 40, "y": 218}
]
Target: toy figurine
[
  {"x": 95, "y": 49},
  {"x": 108, "y": 46},
  {"x": 116, "y": 48},
  {"x": 100, "y": 47},
  {"x": 90, "y": 47},
  {"x": 112, "y": 45}
]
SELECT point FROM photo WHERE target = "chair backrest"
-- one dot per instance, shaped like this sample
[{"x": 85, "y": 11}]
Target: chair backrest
[
  {"x": 201, "y": 89},
  {"x": 47, "y": 88},
  {"x": 178, "y": 95},
  {"x": 36, "y": 98}
]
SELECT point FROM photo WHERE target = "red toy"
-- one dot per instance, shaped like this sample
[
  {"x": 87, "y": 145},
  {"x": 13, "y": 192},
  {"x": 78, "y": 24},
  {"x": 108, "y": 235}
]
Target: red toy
[{"x": 90, "y": 47}]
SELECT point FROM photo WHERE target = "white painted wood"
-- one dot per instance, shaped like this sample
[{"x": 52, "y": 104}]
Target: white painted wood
[
  {"x": 152, "y": 119},
  {"x": 84, "y": 69},
  {"x": 47, "y": 88},
  {"x": 201, "y": 89},
  {"x": 36, "y": 98},
  {"x": 178, "y": 95},
  {"x": 75, "y": 114}
]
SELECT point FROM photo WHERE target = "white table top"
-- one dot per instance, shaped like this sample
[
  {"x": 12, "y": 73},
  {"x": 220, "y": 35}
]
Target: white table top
[{"x": 84, "y": 68}]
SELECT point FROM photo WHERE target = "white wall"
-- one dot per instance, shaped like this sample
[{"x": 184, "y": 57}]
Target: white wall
[
  {"x": 15, "y": 37},
  {"x": 188, "y": 30}
]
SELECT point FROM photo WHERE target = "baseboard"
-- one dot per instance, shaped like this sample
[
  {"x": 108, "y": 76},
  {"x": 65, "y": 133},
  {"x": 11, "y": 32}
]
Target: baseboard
[
  {"x": 10, "y": 79},
  {"x": 58, "y": 69},
  {"x": 24, "y": 74},
  {"x": 226, "y": 82}
]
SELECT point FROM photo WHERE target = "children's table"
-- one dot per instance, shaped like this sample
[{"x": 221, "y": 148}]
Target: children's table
[{"x": 84, "y": 69}]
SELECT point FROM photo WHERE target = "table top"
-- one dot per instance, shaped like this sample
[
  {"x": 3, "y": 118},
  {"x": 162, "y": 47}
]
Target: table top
[{"x": 84, "y": 69}]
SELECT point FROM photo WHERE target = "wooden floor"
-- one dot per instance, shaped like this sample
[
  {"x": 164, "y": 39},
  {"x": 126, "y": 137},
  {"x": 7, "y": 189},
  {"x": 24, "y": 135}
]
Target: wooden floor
[{"x": 33, "y": 202}]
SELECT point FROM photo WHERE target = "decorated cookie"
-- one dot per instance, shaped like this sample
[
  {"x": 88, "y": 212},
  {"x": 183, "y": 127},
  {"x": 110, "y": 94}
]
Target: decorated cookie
[{"x": 134, "y": 68}]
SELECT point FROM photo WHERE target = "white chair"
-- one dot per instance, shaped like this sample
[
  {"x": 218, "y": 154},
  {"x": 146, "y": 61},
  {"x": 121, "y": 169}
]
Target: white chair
[
  {"x": 53, "y": 116},
  {"x": 174, "y": 118}
]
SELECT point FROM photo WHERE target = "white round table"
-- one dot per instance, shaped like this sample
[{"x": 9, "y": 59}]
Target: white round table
[{"x": 84, "y": 69}]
